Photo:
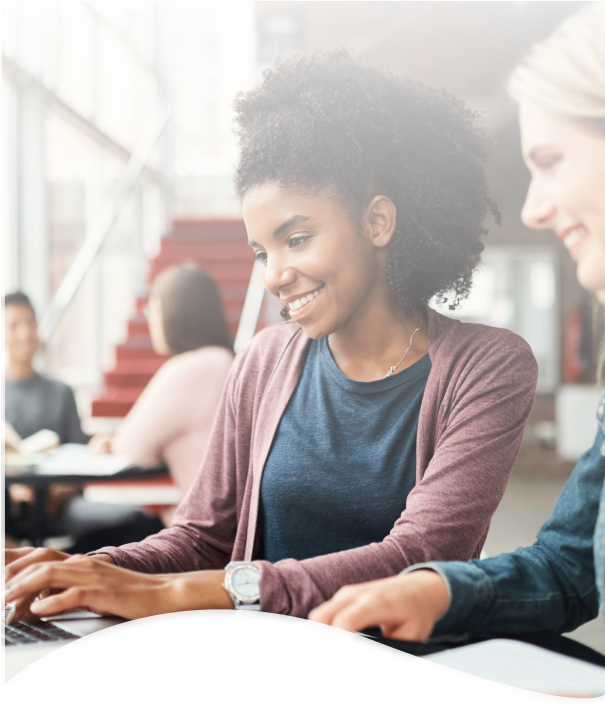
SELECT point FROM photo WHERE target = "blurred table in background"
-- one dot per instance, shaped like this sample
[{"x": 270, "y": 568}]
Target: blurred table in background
[{"x": 41, "y": 478}]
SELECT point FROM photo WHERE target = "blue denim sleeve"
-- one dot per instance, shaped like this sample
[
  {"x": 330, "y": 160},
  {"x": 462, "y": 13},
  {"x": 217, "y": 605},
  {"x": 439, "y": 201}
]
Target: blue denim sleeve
[
  {"x": 599, "y": 551},
  {"x": 549, "y": 586}
]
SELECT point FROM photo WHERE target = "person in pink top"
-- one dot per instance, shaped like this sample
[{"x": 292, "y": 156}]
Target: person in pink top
[
  {"x": 172, "y": 419},
  {"x": 367, "y": 432}
]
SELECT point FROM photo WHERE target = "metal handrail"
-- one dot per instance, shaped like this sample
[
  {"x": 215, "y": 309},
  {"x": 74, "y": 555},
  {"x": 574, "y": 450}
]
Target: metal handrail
[
  {"x": 105, "y": 221},
  {"x": 19, "y": 76},
  {"x": 251, "y": 310}
]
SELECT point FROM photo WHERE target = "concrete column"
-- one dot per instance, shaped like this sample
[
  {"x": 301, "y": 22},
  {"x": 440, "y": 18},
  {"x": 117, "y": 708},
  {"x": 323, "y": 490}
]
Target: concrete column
[
  {"x": 165, "y": 65},
  {"x": 9, "y": 192},
  {"x": 34, "y": 266}
]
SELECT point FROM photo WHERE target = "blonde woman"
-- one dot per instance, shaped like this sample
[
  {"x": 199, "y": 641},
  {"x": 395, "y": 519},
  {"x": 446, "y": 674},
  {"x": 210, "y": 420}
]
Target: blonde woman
[{"x": 554, "y": 585}]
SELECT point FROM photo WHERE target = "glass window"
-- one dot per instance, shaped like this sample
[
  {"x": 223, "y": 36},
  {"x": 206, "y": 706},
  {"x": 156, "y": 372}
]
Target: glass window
[{"x": 515, "y": 288}]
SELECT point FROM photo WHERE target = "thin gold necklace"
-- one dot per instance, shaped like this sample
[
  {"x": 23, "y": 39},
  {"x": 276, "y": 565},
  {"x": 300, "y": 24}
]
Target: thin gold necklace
[{"x": 394, "y": 367}]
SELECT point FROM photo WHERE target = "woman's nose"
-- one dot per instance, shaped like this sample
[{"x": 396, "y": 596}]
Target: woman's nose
[
  {"x": 277, "y": 275},
  {"x": 538, "y": 210}
]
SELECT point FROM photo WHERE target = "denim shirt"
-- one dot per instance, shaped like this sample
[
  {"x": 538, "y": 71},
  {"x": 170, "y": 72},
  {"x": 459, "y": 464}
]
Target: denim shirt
[{"x": 555, "y": 584}]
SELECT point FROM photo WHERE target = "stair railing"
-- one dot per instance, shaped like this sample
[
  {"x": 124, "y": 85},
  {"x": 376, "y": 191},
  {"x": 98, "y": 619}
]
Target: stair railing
[
  {"x": 105, "y": 221},
  {"x": 252, "y": 307}
]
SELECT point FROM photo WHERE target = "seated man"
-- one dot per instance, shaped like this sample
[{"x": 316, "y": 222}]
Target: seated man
[{"x": 33, "y": 402}]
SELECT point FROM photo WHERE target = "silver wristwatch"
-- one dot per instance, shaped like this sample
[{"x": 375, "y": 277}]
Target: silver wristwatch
[{"x": 242, "y": 583}]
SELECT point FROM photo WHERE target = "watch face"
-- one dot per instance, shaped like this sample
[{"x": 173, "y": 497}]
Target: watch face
[{"x": 245, "y": 583}]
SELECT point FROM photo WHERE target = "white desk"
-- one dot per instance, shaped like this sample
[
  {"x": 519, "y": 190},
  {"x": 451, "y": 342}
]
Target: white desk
[{"x": 512, "y": 667}]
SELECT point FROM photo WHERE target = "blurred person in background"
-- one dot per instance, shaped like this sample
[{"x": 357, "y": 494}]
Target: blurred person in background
[
  {"x": 556, "y": 584},
  {"x": 34, "y": 402},
  {"x": 367, "y": 432},
  {"x": 172, "y": 419}
]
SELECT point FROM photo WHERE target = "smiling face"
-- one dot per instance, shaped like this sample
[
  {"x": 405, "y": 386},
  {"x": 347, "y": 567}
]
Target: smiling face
[
  {"x": 567, "y": 190},
  {"x": 324, "y": 269},
  {"x": 20, "y": 333}
]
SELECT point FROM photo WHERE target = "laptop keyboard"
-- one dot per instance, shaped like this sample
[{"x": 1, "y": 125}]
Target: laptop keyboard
[{"x": 32, "y": 631}]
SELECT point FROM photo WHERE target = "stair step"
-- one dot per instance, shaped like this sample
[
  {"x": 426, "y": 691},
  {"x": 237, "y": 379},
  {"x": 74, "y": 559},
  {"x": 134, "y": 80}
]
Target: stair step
[
  {"x": 133, "y": 366},
  {"x": 136, "y": 328},
  {"x": 210, "y": 230},
  {"x": 121, "y": 394},
  {"x": 115, "y": 401},
  {"x": 142, "y": 352},
  {"x": 206, "y": 251},
  {"x": 103, "y": 408},
  {"x": 132, "y": 373},
  {"x": 234, "y": 274},
  {"x": 128, "y": 379}
]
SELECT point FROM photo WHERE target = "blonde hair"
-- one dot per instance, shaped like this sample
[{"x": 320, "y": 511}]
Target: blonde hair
[{"x": 565, "y": 75}]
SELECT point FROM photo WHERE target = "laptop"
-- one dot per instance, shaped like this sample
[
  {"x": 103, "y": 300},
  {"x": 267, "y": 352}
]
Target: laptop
[{"x": 29, "y": 639}]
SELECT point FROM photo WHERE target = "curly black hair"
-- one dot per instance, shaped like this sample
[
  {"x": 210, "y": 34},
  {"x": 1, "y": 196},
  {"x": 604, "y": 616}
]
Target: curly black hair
[{"x": 327, "y": 122}]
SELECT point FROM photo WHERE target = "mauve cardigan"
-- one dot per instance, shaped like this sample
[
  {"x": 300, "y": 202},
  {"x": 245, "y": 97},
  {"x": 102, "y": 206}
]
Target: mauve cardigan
[{"x": 478, "y": 396}]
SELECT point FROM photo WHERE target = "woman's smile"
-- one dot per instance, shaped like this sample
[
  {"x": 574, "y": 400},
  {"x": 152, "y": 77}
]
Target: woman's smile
[{"x": 300, "y": 306}]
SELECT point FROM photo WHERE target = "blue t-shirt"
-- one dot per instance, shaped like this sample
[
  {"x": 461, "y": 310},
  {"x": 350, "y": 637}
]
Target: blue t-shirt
[{"x": 343, "y": 460}]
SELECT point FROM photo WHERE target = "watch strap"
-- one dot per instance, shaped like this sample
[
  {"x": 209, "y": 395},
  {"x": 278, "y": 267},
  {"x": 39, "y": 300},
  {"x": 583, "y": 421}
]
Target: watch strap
[{"x": 246, "y": 611}]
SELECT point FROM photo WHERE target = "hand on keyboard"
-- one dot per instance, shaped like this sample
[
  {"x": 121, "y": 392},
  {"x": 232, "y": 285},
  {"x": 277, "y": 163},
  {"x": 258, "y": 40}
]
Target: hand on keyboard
[
  {"x": 81, "y": 582},
  {"x": 20, "y": 559},
  {"x": 16, "y": 561}
]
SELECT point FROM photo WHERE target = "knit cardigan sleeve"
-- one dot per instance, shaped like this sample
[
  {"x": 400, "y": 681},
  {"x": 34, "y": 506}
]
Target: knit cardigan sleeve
[{"x": 478, "y": 397}]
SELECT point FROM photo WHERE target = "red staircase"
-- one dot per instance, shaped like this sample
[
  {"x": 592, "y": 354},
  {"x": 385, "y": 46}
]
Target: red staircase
[{"x": 218, "y": 246}]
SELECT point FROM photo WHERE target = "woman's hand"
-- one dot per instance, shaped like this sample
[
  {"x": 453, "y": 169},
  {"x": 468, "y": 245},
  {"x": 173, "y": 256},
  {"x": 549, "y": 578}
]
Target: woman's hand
[
  {"x": 406, "y": 608},
  {"x": 21, "y": 494},
  {"x": 22, "y": 558},
  {"x": 100, "y": 444},
  {"x": 87, "y": 582}
]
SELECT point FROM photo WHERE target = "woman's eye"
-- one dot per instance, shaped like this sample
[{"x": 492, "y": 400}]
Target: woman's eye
[
  {"x": 547, "y": 163},
  {"x": 297, "y": 241},
  {"x": 260, "y": 256}
]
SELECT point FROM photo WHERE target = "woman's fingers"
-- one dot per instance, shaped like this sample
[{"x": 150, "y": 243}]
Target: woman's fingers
[
  {"x": 16, "y": 563},
  {"x": 35, "y": 578},
  {"x": 368, "y": 608},
  {"x": 20, "y": 609},
  {"x": 405, "y": 607},
  {"x": 71, "y": 598},
  {"x": 11, "y": 556},
  {"x": 347, "y": 607},
  {"x": 86, "y": 582}
]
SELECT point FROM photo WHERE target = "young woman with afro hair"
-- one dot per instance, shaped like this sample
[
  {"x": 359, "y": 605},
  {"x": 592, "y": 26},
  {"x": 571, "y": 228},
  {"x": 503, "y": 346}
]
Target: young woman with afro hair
[{"x": 366, "y": 433}]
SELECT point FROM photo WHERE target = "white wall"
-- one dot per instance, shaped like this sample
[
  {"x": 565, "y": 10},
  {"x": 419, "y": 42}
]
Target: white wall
[{"x": 576, "y": 407}]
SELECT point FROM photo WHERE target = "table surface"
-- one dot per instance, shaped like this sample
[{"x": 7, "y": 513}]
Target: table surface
[
  {"x": 29, "y": 477},
  {"x": 475, "y": 665}
]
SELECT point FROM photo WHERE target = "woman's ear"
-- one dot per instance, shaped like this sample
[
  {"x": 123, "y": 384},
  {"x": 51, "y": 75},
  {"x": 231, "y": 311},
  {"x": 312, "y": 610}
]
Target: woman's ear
[{"x": 381, "y": 215}]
